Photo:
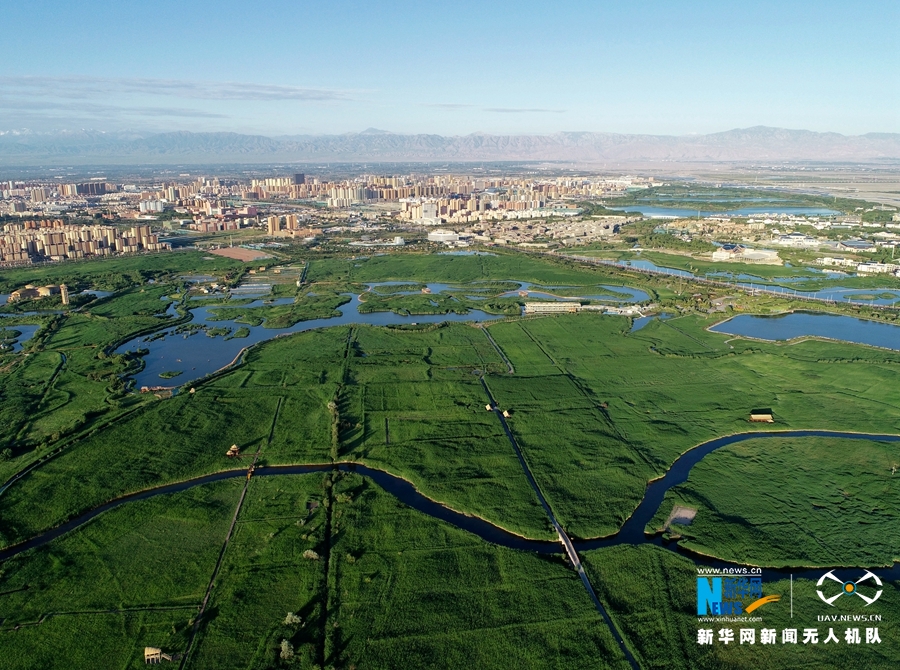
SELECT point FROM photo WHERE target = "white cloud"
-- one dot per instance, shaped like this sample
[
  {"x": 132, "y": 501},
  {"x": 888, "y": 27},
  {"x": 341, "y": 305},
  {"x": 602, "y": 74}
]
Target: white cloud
[{"x": 91, "y": 87}]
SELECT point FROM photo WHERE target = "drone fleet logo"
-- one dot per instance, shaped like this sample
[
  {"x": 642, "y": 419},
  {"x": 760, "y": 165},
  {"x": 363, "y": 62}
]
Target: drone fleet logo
[{"x": 848, "y": 588}]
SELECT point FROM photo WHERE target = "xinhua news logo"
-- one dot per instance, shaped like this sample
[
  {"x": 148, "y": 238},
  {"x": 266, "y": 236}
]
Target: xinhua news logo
[{"x": 731, "y": 595}]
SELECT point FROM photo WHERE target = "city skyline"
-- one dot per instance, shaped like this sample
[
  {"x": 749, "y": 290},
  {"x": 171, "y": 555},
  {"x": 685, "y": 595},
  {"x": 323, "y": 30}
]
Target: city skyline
[{"x": 666, "y": 68}]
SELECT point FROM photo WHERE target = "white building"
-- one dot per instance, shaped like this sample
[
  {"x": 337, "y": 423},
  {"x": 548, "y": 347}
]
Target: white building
[
  {"x": 430, "y": 214},
  {"x": 445, "y": 236}
]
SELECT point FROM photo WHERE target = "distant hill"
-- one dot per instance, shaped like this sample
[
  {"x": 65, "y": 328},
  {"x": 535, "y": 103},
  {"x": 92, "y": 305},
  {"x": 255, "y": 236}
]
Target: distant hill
[{"x": 760, "y": 143}]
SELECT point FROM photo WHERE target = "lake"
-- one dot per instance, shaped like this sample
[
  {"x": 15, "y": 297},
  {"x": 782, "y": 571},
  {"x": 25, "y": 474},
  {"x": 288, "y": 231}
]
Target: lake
[
  {"x": 678, "y": 213},
  {"x": 27, "y": 332},
  {"x": 800, "y": 324},
  {"x": 198, "y": 355}
]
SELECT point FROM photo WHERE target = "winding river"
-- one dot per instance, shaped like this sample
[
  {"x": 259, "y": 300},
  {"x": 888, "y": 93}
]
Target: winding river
[{"x": 631, "y": 533}]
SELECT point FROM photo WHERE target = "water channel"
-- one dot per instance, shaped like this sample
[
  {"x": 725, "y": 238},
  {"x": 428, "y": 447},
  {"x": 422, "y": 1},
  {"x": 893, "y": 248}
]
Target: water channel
[
  {"x": 631, "y": 533},
  {"x": 864, "y": 296}
]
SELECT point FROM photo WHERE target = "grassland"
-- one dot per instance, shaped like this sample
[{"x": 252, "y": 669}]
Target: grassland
[
  {"x": 438, "y": 303},
  {"x": 169, "y": 441},
  {"x": 265, "y": 576},
  {"x": 371, "y": 584},
  {"x": 455, "y": 269},
  {"x": 597, "y": 409},
  {"x": 131, "y": 578},
  {"x": 407, "y": 591},
  {"x": 304, "y": 308},
  {"x": 746, "y": 512},
  {"x": 68, "y": 381},
  {"x": 412, "y": 405},
  {"x": 666, "y": 388}
]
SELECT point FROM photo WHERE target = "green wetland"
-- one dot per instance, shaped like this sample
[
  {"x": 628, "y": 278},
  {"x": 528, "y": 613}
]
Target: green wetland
[{"x": 329, "y": 569}]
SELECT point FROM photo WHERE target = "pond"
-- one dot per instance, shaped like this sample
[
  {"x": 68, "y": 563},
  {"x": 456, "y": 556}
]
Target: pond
[
  {"x": 800, "y": 324},
  {"x": 27, "y": 332}
]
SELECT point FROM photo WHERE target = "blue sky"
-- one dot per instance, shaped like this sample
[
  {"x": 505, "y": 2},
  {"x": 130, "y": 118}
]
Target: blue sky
[{"x": 658, "y": 66}]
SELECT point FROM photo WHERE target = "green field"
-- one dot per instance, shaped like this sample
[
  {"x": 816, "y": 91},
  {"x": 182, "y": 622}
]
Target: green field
[
  {"x": 832, "y": 485},
  {"x": 131, "y": 578},
  {"x": 597, "y": 410},
  {"x": 666, "y": 387}
]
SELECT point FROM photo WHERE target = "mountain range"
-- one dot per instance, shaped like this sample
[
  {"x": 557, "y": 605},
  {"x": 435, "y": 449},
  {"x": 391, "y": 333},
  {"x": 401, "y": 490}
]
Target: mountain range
[{"x": 757, "y": 144}]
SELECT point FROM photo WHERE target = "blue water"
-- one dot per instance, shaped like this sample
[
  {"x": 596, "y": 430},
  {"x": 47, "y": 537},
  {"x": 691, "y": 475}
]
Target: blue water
[
  {"x": 800, "y": 324},
  {"x": 642, "y": 321},
  {"x": 198, "y": 355},
  {"x": 678, "y": 213},
  {"x": 27, "y": 331},
  {"x": 465, "y": 253},
  {"x": 96, "y": 293},
  {"x": 650, "y": 265}
]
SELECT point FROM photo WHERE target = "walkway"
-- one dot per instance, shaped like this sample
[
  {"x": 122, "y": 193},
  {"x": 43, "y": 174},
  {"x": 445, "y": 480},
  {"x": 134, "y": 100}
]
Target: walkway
[{"x": 563, "y": 538}]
